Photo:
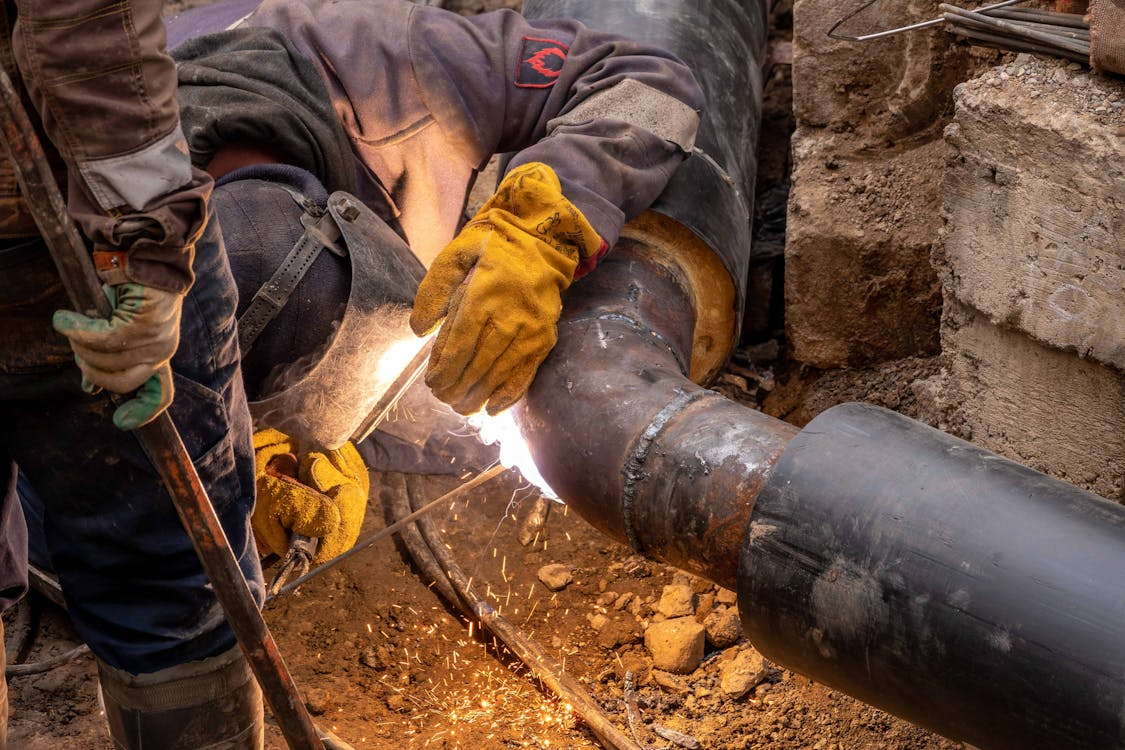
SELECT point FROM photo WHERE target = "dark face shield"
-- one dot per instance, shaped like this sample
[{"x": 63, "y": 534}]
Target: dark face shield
[{"x": 325, "y": 288}]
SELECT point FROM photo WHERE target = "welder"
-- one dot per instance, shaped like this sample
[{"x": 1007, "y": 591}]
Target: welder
[
  {"x": 401, "y": 105},
  {"x": 398, "y": 106}
]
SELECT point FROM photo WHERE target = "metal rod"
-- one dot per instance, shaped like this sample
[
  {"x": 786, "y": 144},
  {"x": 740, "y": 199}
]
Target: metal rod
[
  {"x": 395, "y": 391},
  {"x": 1069, "y": 32},
  {"x": 985, "y": 22},
  {"x": 996, "y": 41},
  {"x": 902, "y": 29},
  {"x": 160, "y": 439},
  {"x": 1055, "y": 45},
  {"x": 363, "y": 544},
  {"x": 1071, "y": 20}
]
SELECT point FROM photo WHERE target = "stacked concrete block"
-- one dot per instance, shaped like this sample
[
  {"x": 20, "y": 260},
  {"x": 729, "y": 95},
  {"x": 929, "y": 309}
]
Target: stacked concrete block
[
  {"x": 1033, "y": 269},
  {"x": 867, "y": 157}
]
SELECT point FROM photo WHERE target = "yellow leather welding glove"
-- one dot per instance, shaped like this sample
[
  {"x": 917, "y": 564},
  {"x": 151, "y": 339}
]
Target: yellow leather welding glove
[
  {"x": 498, "y": 286},
  {"x": 128, "y": 351},
  {"x": 324, "y": 496}
]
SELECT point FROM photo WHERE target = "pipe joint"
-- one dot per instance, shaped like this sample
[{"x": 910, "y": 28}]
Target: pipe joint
[{"x": 634, "y": 469}]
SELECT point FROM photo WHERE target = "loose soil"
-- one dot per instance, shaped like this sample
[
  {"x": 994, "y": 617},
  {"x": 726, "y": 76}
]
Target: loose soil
[{"x": 385, "y": 663}]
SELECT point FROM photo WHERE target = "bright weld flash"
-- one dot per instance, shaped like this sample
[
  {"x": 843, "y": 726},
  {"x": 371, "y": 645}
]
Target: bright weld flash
[
  {"x": 398, "y": 356},
  {"x": 514, "y": 451}
]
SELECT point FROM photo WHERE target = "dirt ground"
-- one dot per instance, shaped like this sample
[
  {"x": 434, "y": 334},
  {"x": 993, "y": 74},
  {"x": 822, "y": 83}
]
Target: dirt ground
[{"x": 385, "y": 663}]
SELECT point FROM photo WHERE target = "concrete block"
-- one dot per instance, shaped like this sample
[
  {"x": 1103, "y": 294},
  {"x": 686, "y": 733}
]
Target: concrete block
[
  {"x": 1035, "y": 205},
  {"x": 859, "y": 285},
  {"x": 863, "y": 210},
  {"x": 1041, "y": 406}
]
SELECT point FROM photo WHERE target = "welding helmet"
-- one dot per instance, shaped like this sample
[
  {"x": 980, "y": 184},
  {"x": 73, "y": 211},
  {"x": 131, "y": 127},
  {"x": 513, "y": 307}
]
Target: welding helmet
[{"x": 325, "y": 287}]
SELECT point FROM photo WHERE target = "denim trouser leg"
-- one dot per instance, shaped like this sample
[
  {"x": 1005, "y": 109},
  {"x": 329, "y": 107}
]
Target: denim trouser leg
[{"x": 133, "y": 584}]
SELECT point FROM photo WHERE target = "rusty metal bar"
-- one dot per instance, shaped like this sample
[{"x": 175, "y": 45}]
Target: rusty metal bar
[{"x": 160, "y": 438}]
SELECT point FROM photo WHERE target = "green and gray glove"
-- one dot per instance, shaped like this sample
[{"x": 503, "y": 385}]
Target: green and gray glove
[{"x": 128, "y": 351}]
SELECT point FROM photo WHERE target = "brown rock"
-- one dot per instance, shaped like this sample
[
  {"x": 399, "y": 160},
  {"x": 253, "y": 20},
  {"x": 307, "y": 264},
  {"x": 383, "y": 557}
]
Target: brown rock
[
  {"x": 676, "y": 645},
  {"x": 725, "y": 596},
  {"x": 723, "y": 628},
  {"x": 620, "y": 629},
  {"x": 741, "y": 674},
  {"x": 677, "y": 600},
  {"x": 669, "y": 682},
  {"x": 555, "y": 576}
]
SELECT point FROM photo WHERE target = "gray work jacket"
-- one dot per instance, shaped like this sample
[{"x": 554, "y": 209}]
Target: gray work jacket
[{"x": 426, "y": 97}]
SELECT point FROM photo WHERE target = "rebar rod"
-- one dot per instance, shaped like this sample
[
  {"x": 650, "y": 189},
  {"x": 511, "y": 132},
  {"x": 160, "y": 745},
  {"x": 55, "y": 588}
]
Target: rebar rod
[
  {"x": 983, "y": 22},
  {"x": 995, "y": 41}
]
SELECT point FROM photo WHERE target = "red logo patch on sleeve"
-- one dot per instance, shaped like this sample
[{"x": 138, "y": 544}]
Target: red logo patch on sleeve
[{"x": 541, "y": 61}]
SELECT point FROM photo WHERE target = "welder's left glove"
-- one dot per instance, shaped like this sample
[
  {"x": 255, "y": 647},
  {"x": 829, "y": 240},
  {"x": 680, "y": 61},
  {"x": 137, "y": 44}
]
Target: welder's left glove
[
  {"x": 498, "y": 285},
  {"x": 323, "y": 496}
]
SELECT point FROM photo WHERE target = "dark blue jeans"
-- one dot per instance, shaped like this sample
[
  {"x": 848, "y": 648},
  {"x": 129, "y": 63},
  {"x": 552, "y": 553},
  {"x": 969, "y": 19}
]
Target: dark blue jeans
[{"x": 133, "y": 584}]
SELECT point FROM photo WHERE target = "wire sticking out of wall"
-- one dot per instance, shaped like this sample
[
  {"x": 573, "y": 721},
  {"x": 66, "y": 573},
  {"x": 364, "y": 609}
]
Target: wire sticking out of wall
[{"x": 1000, "y": 26}]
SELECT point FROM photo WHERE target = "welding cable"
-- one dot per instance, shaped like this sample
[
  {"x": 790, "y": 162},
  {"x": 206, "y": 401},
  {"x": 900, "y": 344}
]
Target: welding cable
[
  {"x": 45, "y": 665},
  {"x": 396, "y": 505},
  {"x": 25, "y": 622},
  {"x": 543, "y": 666},
  {"x": 24, "y": 626}
]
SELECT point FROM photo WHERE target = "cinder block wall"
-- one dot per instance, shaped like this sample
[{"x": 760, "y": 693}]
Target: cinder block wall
[
  {"x": 865, "y": 198},
  {"x": 1032, "y": 264}
]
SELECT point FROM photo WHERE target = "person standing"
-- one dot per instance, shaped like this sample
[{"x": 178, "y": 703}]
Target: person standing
[{"x": 99, "y": 78}]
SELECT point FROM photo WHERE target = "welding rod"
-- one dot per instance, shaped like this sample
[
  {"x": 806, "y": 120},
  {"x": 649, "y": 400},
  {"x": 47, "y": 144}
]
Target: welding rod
[
  {"x": 395, "y": 391},
  {"x": 160, "y": 438},
  {"x": 472, "y": 484}
]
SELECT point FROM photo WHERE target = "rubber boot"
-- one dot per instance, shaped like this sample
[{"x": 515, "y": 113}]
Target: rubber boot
[{"x": 213, "y": 704}]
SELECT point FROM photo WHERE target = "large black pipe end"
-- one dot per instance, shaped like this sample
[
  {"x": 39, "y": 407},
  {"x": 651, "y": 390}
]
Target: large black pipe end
[{"x": 954, "y": 588}]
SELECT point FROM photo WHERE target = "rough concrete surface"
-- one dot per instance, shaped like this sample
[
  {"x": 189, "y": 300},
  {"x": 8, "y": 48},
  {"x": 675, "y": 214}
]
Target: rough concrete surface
[
  {"x": 863, "y": 210},
  {"x": 1043, "y": 407},
  {"x": 1035, "y": 205},
  {"x": 859, "y": 287}
]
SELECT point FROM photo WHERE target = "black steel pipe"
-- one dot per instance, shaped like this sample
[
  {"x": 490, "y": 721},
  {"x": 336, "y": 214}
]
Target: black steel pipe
[
  {"x": 620, "y": 432},
  {"x": 954, "y": 588}
]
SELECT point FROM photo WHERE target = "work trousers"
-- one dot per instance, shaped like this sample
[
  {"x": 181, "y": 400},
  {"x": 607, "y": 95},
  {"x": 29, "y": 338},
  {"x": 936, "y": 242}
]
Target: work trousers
[{"x": 133, "y": 584}]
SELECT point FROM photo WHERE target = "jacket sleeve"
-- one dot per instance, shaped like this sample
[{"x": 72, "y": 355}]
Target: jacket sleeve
[
  {"x": 612, "y": 117},
  {"x": 115, "y": 122}
]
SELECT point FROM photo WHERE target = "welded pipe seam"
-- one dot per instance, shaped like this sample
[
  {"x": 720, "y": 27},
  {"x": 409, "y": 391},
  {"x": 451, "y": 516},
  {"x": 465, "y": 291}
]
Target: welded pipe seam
[{"x": 633, "y": 470}]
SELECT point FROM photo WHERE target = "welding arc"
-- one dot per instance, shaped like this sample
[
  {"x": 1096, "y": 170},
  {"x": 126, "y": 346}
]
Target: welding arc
[
  {"x": 362, "y": 544},
  {"x": 430, "y": 553}
]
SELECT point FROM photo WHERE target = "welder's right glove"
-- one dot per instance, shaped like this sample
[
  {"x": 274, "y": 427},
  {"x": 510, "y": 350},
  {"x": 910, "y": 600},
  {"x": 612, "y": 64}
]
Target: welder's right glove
[
  {"x": 498, "y": 286},
  {"x": 128, "y": 351},
  {"x": 322, "y": 496}
]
